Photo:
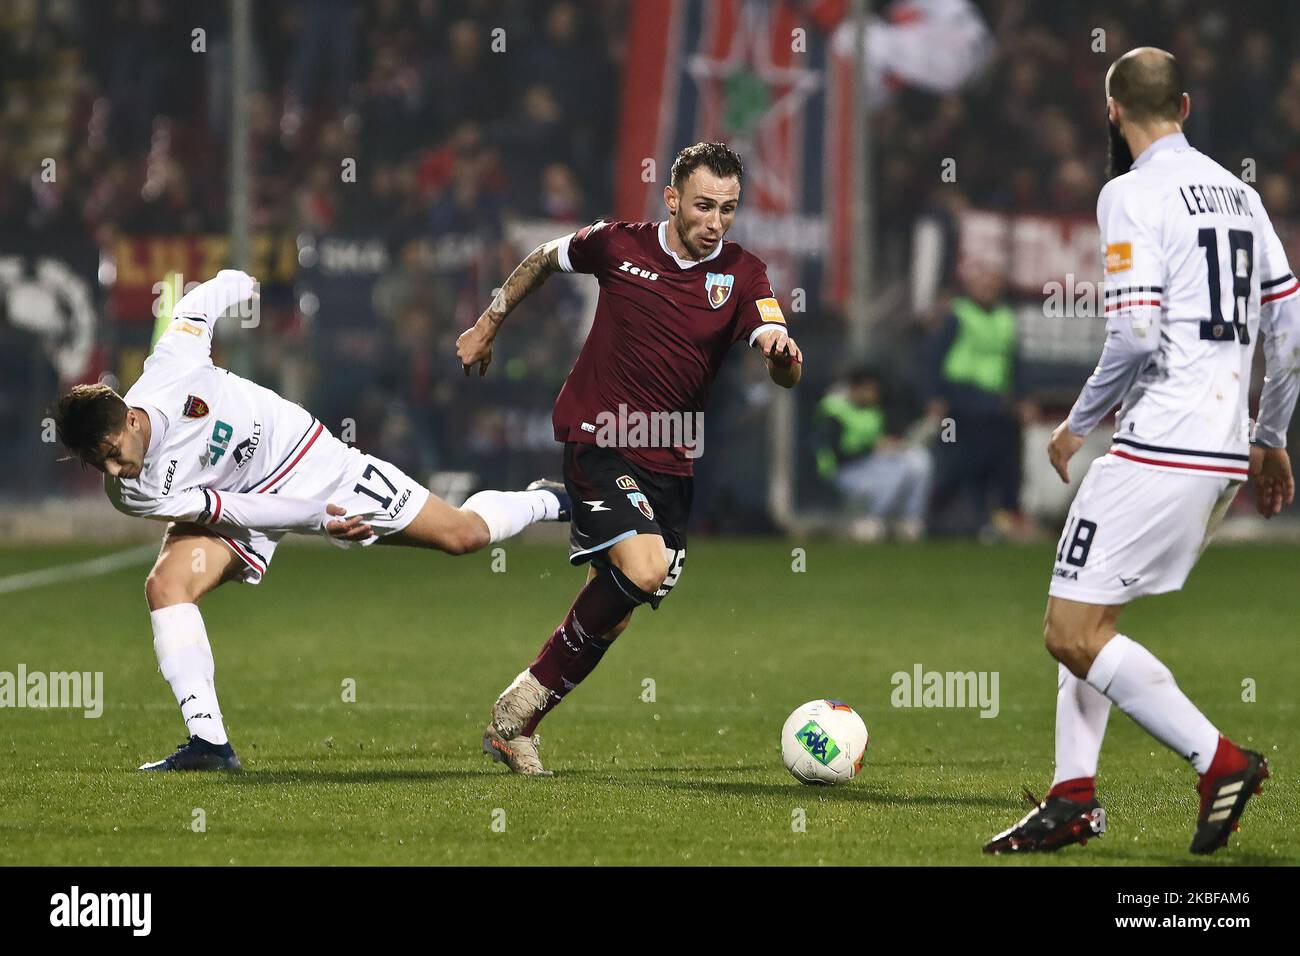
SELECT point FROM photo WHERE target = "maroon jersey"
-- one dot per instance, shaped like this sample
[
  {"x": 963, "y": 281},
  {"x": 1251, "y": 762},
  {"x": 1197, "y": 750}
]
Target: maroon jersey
[{"x": 662, "y": 327}]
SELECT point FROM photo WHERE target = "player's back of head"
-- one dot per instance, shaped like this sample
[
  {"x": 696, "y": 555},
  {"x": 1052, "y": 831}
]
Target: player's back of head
[{"x": 1148, "y": 83}]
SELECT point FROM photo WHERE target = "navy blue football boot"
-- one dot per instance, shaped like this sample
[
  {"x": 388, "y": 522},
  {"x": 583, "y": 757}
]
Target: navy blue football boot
[
  {"x": 197, "y": 754},
  {"x": 556, "y": 488}
]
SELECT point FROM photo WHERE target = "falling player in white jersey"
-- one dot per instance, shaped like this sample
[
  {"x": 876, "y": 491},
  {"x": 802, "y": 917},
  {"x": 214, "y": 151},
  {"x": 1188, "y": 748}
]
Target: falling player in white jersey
[
  {"x": 1195, "y": 275},
  {"x": 235, "y": 467}
]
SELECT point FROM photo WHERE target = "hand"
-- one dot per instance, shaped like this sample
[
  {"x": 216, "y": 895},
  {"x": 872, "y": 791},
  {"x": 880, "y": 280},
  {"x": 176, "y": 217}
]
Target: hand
[
  {"x": 474, "y": 346},
  {"x": 348, "y": 532},
  {"x": 781, "y": 350},
  {"x": 1061, "y": 449},
  {"x": 1270, "y": 470}
]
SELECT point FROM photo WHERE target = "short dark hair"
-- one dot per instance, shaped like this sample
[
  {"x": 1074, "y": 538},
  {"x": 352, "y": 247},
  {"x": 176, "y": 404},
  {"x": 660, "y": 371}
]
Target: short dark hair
[
  {"x": 85, "y": 416},
  {"x": 718, "y": 158},
  {"x": 1149, "y": 85}
]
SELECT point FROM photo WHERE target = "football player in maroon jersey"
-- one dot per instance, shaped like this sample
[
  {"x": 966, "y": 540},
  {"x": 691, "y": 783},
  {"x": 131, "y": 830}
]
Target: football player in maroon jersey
[{"x": 674, "y": 298}]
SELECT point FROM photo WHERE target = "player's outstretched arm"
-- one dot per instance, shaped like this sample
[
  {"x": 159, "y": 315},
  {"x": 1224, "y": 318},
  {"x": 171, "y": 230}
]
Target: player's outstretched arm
[
  {"x": 267, "y": 513},
  {"x": 783, "y": 357},
  {"x": 208, "y": 300},
  {"x": 474, "y": 346},
  {"x": 188, "y": 338}
]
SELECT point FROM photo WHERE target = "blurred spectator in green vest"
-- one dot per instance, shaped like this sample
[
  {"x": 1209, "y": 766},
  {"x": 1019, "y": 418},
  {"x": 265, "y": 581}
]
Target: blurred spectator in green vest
[
  {"x": 882, "y": 473},
  {"x": 975, "y": 393}
]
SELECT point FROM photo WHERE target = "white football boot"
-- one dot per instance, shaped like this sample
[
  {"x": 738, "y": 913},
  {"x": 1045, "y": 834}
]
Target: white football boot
[{"x": 502, "y": 740}]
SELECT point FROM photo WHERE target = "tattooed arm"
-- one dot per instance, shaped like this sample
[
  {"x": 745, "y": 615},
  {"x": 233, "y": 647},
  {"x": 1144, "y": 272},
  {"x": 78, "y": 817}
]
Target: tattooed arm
[{"x": 474, "y": 347}]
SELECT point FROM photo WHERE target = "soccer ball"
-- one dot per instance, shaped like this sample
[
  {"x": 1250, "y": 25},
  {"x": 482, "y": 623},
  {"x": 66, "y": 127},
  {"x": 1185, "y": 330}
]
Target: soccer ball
[{"x": 824, "y": 742}]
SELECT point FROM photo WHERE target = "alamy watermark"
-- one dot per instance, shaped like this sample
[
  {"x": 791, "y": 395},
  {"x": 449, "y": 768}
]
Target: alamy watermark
[
  {"x": 1074, "y": 298},
  {"x": 955, "y": 689},
  {"x": 211, "y": 301},
  {"x": 635, "y": 429},
  {"x": 83, "y": 690},
  {"x": 75, "y": 908}
]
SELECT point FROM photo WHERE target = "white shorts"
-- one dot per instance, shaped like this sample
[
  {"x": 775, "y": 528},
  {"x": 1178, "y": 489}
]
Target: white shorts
[
  {"x": 333, "y": 472},
  {"x": 1135, "y": 530}
]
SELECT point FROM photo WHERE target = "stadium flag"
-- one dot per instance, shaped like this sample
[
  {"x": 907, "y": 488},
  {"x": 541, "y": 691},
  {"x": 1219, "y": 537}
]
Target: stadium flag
[{"x": 761, "y": 77}]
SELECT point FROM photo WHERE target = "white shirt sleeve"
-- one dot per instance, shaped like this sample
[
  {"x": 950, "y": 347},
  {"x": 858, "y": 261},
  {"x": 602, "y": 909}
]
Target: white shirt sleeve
[
  {"x": 1134, "y": 262},
  {"x": 1279, "y": 326},
  {"x": 188, "y": 339},
  {"x": 207, "y": 506},
  {"x": 1133, "y": 303}
]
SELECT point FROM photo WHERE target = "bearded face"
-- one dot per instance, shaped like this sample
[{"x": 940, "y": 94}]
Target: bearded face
[{"x": 1119, "y": 156}]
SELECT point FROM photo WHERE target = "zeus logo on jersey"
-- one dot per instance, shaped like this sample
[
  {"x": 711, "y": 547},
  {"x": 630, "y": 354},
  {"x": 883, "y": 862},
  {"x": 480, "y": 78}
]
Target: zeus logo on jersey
[{"x": 637, "y": 271}]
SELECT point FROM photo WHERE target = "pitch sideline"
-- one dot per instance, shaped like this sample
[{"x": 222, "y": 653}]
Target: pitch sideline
[{"x": 82, "y": 569}]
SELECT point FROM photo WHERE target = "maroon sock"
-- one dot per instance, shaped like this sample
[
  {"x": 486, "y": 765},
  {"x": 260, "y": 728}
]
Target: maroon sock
[
  {"x": 1080, "y": 789},
  {"x": 576, "y": 647},
  {"x": 1228, "y": 758}
]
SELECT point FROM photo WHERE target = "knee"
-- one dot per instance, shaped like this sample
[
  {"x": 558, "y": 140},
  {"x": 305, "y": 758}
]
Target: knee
[
  {"x": 1071, "y": 644},
  {"x": 163, "y": 588},
  {"x": 646, "y": 571}
]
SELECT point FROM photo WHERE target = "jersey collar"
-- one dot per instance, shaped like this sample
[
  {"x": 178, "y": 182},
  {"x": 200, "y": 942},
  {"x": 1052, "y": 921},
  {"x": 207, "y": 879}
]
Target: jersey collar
[
  {"x": 1169, "y": 141},
  {"x": 683, "y": 263}
]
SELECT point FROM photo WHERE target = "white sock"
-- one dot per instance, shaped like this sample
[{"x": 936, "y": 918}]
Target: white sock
[
  {"x": 1081, "y": 714},
  {"x": 506, "y": 513},
  {"x": 185, "y": 658},
  {"x": 1143, "y": 688}
]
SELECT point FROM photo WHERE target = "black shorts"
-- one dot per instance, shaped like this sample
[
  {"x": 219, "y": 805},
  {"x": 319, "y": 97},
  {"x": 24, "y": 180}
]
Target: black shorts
[{"x": 613, "y": 499}]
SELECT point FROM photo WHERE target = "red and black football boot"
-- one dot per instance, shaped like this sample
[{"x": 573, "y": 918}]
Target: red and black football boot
[
  {"x": 1052, "y": 824},
  {"x": 1224, "y": 793}
]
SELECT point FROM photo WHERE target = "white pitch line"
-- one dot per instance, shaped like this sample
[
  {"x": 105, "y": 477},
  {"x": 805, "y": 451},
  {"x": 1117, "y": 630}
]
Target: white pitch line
[{"x": 82, "y": 569}]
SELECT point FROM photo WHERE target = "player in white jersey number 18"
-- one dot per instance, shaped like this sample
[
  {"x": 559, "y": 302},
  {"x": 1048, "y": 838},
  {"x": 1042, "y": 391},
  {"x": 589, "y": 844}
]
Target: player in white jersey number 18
[
  {"x": 233, "y": 467},
  {"x": 1195, "y": 276}
]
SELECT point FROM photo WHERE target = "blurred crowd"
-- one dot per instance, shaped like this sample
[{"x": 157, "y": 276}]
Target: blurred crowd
[
  {"x": 481, "y": 108},
  {"x": 1029, "y": 133}
]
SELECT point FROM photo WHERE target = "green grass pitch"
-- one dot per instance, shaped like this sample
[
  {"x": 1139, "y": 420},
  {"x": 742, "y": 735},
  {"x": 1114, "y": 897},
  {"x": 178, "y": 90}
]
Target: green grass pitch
[{"x": 694, "y": 777}]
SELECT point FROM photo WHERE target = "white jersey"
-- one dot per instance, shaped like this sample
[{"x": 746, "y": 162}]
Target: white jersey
[
  {"x": 1193, "y": 266},
  {"x": 216, "y": 439}
]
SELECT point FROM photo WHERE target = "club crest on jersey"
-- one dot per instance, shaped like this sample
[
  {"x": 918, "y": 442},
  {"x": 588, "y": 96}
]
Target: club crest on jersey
[
  {"x": 717, "y": 287},
  {"x": 195, "y": 407},
  {"x": 642, "y": 503}
]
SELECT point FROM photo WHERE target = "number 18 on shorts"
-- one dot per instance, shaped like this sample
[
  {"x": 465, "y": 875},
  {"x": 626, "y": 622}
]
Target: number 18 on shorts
[{"x": 1134, "y": 530}]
